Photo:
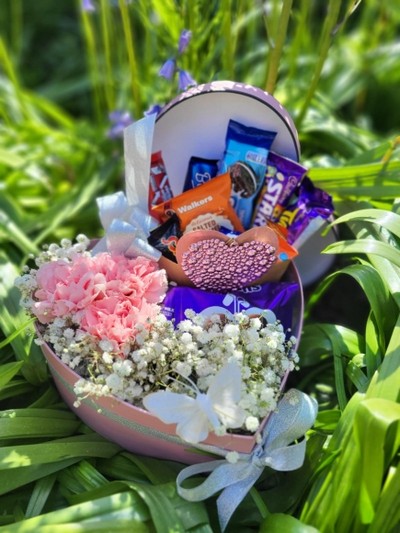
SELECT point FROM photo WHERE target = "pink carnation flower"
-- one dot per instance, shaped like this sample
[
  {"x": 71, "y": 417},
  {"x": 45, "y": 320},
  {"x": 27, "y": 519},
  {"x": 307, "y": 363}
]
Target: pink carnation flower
[{"x": 107, "y": 296}]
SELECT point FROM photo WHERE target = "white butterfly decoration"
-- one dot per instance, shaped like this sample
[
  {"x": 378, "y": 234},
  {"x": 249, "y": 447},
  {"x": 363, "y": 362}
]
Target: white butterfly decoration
[{"x": 195, "y": 416}]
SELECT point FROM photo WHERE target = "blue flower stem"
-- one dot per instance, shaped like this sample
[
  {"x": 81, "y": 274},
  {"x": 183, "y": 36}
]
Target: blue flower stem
[
  {"x": 259, "y": 502},
  {"x": 135, "y": 86},
  {"x": 94, "y": 72},
  {"x": 106, "y": 29}
]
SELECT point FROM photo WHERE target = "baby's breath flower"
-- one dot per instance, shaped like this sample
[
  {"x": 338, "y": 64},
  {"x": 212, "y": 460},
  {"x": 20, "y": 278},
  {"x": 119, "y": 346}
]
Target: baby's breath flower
[
  {"x": 114, "y": 382},
  {"x": 252, "y": 423},
  {"x": 186, "y": 338},
  {"x": 232, "y": 457},
  {"x": 232, "y": 331}
]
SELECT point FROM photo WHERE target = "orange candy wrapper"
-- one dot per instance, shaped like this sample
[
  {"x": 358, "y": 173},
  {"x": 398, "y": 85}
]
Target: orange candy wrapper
[{"x": 205, "y": 207}]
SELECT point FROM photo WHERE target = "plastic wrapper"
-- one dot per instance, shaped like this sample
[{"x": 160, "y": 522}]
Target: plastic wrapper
[
  {"x": 205, "y": 207},
  {"x": 200, "y": 171},
  {"x": 165, "y": 237},
  {"x": 311, "y": 203},
  {"x": 277, "y": 298},
  {"x": 245, "y": 158},
  {"x": 282, "y": 177}
]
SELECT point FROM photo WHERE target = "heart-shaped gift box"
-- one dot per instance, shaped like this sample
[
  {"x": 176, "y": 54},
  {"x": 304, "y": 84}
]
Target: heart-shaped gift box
[{"x": 194, "y": 123}]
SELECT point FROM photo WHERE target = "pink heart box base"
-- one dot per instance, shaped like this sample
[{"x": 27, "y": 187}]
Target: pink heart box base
[{"x": 135, "y": 429}]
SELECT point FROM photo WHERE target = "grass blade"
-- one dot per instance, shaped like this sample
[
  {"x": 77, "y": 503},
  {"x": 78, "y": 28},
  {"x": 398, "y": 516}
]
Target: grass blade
[{"x": 39, "y": 496}]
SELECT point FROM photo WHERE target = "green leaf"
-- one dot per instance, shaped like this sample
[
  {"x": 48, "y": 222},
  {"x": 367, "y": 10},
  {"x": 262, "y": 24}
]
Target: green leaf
[
  {"x": 357, "y": 376},
  {"x": 387, "y": 513},
  {"x": 381, "y": 217},
  {"x": 385, "y": 383},
  {"x": 279, "y": 523},
  {"x": 374, "y": 344},
  {"x": 39, "y": 496},
  {"x": 16, "y": 333},
  {"x": 81, "y": 477},
  {"x": 156, "y": 471},
  {"x": 316, "y": 344},
  {"x": 125, "y": 507},
  {"x": 12, "y": 317},
  {"x": 365, "y": 246},
  {"x": 91, "y": 445},
  {"x": 17, "y": 387},
  {"x": 327, "y": 420},
  {"x": 11, "y": 231},
  {"x": 166, "y": 507},
  {"x": 163, "y": 513},
  {"x": 7, "y": 372},
  {"x": 34, "y": 423},
  {"x": 7, "y": 157},
  {"x": 379, "y": 418},
  {"x": 24, "y": 475}
]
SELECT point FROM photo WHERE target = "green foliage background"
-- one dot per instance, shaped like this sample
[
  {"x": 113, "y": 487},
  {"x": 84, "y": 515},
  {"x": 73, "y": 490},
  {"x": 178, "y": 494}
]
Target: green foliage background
[{"x": 335, "y": 65}]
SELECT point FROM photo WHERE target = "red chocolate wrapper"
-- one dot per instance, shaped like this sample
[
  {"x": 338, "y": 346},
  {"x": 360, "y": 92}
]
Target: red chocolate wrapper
[
  {"x": 204, "y": 207},
  {"x": 276, "y": 297},
  {"x": 159, "y": 189},
  {"x": 282, "y": 177},
  {"x": 312, "y": 202}
]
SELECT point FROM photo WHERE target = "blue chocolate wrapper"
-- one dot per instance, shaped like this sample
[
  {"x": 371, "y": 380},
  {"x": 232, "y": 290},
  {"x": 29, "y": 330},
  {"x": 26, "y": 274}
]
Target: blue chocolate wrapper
[
  {"x": 245, "y": 158},
  {"x": 277, "y": 297},
  {"x": 200, "y": 171}
]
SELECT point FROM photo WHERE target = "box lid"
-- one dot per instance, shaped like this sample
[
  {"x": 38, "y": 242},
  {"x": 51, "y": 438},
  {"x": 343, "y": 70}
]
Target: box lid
[{"x": 195, "y": 124}]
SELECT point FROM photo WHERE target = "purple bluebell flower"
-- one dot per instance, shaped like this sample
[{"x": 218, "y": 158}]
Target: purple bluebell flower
[
  {"x": 119, "y": 121},
  {"x": 153, "y": 109},
  {"x": 185, "y": 80},
  {"x": 88, "y": 6},
  {"x": 184, "y": 40},
  {"x": 167, "y": 71}
]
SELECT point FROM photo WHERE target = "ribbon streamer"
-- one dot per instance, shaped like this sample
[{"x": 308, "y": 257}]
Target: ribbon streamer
[
  {"x": 294, "y": 415},
  {"x": 125, "y": 219}
]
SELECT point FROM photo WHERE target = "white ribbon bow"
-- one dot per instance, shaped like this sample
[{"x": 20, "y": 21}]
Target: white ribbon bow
[
  {"x": 294, "y": 415},
  {"x": 127, "y": 228},
  {"x": 125, "y": 219}
]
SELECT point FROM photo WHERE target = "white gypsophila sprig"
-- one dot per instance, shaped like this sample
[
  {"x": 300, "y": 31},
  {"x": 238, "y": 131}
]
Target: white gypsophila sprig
[{"x": 165, "y": 356}]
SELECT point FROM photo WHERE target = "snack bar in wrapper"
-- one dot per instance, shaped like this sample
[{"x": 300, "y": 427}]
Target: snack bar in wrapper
[
  {"x": 165, "y": 237},
  {"x": 200, "y": 171},
  {"x": 159, "y": 187},
  {"x": 311, "y": 202},
  {"x": 282, "y": 177},
  {"x": 204, "y": 207},
  {"x": 276, "y": 297},
  {"x": 245, "y": 158}
]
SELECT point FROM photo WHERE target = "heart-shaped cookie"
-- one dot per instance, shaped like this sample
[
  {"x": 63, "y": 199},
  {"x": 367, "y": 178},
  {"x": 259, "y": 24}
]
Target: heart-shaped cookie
[{"x": 213, "y": 261}]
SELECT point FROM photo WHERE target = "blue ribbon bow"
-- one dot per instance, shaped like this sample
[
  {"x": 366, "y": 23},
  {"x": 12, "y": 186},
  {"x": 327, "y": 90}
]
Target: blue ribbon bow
[{"x": 294, "y": 415}]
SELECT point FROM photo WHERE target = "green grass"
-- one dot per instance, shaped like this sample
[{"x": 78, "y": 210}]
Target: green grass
[{"x": 335, "y": 65}]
